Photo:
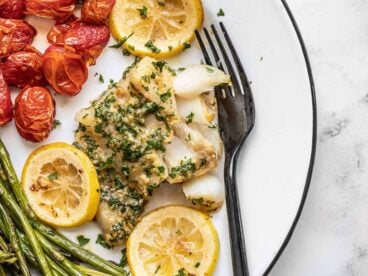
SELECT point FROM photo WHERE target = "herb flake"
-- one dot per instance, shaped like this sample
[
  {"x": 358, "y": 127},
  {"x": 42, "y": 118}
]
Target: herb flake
[
  {"x": 53, "y": 176},
  {"x": 82, "y": 240},
  {"x": 221, "y": 12},
  {"x": 121, "y": 42},
  {"x": 101, "y": 241},
  {"x": 143, "y": 12}
]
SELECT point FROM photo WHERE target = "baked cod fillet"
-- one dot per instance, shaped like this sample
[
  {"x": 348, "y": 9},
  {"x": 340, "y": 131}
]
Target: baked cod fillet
[{"x": 130, "y": 133}]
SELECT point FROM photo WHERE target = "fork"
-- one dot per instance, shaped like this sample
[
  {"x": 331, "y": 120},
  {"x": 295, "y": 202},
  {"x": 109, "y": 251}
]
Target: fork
[{"x": 236, "y": 120}]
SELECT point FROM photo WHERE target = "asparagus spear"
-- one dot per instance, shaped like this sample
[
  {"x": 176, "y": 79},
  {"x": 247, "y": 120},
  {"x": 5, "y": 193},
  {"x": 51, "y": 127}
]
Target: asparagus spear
[
  {"x": 13, "y": 180},
  {"x": 82, "y": 254},
  {"x": 2, "y": 271},
  {"x": 3, "y": 244},
  {"x": 69, "y": 267},
  {"x": 9, "y": 201},
  {"x": 6, "y": 257},
  {"x": 14, "y": 242}
]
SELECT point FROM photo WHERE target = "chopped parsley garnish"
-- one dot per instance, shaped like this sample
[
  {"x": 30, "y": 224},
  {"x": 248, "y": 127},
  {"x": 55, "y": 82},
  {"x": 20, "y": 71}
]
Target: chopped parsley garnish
[
  {"x": 143, "y": 12},
  {"x": 170, "y": 48},
  {"x": 164, "y": 97},
  {"x": 101, "y": 241},
  {"x": 197, "y": 265},
  {"x": 184, "y": 169},
  {"x": 157, "y": 268},
  {"x": 186, "y": 45},
  {"x": 161, "y": 169},
  {"x": 161, "y": 3},
  {"x": 151, "y": 188},
  {"x": 149, "y": 44},
  {"x": 121, "y": 42},
  {"x": 101, "y": 79},
  {"x": 209, "y": 69},
  {"x": 126, "y": 52},
  {"x": 189, "y": 118},
  {"x": 123, "y": 260},
  {"x": 56, "y": 124},
  {"x": 181, "y": 272},
  {"x": 159, "y": 65},
  {"x": 181, "y": 69},
  {"x": 221, "y": 12},
  {"x": 53, "y": 176},
  {"x": 82, "y": 240}
]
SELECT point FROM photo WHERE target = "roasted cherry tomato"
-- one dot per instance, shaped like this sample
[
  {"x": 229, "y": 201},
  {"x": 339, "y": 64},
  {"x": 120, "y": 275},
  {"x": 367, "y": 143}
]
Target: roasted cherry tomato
[
  {"x": 59, "y": 10},
  {"x": 87, "y": 39},
  {"x": 34, "y": 113},
  {"x": 14, "y": 35},
  {"x": 12, "y": 9},
  {"x": 6, "y": 110},
  {"x": 23, "y": 68},
  {"x": 97, "y": 11},
  {"x": 64, "y": 70}
]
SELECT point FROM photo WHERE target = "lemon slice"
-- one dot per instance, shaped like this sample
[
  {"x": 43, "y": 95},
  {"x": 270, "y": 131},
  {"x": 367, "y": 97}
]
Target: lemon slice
[
  {"x": 173, "y": 240},
  {"x": 156, "y": 28},
  {"x": 61, "y": 185}
]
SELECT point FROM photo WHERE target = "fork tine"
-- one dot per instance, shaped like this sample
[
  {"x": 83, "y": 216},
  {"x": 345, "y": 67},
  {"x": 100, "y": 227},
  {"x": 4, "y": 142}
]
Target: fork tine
[
  {"x": 242, "y": 75},
  {"x": 218, "y": 91},
  {"x": 218, "y": 61},
  {"x": 207, "y": 58},
  {"x": 229, "y": 66}
]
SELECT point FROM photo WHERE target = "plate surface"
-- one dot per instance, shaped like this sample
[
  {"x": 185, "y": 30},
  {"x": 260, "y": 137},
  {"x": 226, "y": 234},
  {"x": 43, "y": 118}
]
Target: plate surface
[{"x": 275, "y": 162}]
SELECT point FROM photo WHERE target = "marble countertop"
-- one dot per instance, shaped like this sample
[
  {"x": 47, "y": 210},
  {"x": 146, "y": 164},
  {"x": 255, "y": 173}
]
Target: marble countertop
[{"x": 331, "y": 237}]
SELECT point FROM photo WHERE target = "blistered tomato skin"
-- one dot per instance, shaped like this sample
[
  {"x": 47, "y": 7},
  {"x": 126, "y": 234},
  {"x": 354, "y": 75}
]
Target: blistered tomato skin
[
  {"x": 97, "y": 11},
  {"x": 14, "y": 35},
  {"x": 88, "y": 40},
  {"x": 60, "y": 10},
  {"x": 64, "y": 70},
  {"x": 12, "y": 9},
  {"x": 23, "y": 68},
  {"x": 6, "y": 109},
  {"x": 34, "y": 113}
]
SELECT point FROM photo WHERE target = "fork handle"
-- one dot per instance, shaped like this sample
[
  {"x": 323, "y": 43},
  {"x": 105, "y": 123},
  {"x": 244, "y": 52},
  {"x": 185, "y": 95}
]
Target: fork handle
[{"x": 238, "y": 250}]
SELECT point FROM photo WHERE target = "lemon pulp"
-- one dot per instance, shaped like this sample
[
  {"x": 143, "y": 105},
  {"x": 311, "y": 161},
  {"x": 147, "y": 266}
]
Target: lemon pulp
[
  {"x": 61, "y": 185},
  {"x": 173, "y": 240},
  {"x": 160, "y": 28}
]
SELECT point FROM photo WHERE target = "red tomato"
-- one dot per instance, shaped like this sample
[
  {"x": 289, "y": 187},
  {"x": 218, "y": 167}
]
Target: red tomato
[
  {"x": 87, "y": 39},
  {"x": 97, "y": 11},
  {"x": 23, "y": 68},
  {"x": 64, "y": 70},
  {"x": 14, "y": 35},
  {"x": 12, "y": 9},
  {"x": 60, "y": 10},
  {"x": 6, "y": 110},
  {"x": 34, "y": 113}
]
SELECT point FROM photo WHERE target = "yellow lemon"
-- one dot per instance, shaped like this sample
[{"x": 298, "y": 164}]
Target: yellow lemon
[
  {"x": 158, "y": 28},
  {"x": 61, "y": 185},
  {"x": 173, "y": 240}
]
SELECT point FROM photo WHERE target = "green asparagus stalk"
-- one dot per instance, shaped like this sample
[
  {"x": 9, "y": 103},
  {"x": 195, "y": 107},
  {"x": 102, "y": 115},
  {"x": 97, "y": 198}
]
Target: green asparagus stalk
[
  {"x": 82, "y": 254},
  {"x": 90, "y": 272},
  {"x": 13, "y": 180},
  {"x": 69, "y": 267},
  {"x": 9, "y": 201},
  {"x": 14, "y": 241},
  {"x": 2, "y": 271},
  {"x": 3, "y": 244},
  {"x": 6, "y": 257}
]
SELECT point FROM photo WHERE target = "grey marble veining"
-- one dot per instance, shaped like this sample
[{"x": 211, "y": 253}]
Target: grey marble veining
[{"x": 332, "y": 235}]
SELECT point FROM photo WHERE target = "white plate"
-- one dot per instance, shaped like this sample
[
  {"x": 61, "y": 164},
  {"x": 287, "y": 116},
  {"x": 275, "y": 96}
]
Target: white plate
[{"x": 274, "y": 168}]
